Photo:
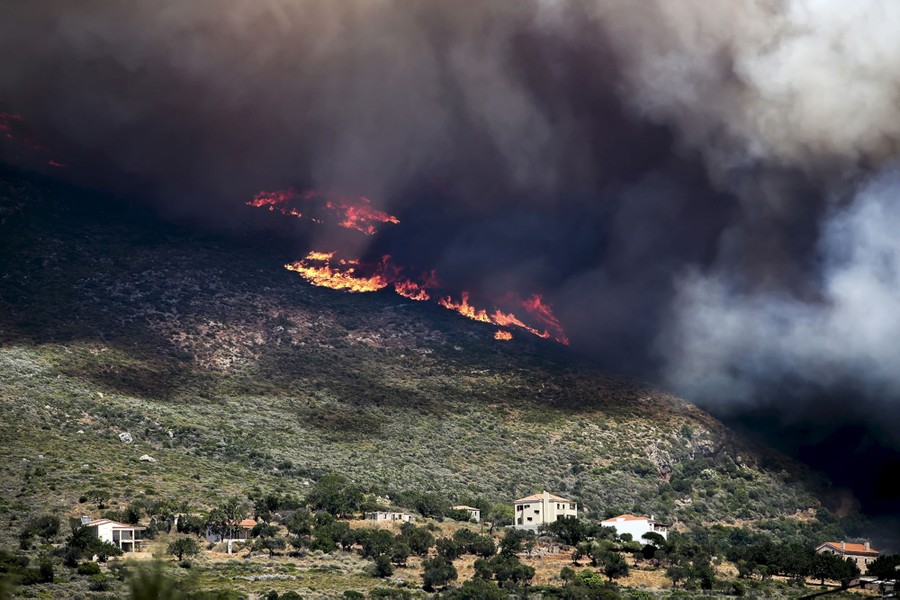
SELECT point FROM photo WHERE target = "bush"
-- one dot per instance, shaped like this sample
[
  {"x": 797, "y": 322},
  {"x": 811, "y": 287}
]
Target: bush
[
  {"x": 383, "y": 567},
  {"x": 438, "y": 573},
  {"x": 88, "y": 568},
  {"x": 182, "y": 547}
]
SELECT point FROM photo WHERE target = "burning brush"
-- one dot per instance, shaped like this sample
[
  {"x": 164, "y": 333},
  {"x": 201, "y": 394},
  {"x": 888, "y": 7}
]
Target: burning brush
[{"x": 325, "y": 269}]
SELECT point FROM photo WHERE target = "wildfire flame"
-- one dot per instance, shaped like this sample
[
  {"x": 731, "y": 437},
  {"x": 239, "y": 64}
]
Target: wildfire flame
[
  {"x": 465, "y": 309},
  {"x": 317, "y": 269},
  {"x": 411, "y": 290},
  {"x": 325, "y": 270},
  {"x": 353, "y": 213}
]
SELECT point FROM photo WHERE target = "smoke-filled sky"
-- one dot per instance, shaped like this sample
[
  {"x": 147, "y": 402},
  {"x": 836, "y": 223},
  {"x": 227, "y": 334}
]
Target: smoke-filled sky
[{"x": 705, "y": 191}]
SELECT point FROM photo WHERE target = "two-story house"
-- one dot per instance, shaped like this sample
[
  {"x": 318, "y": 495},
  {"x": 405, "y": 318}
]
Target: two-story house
[{"x": 533, "y": 511}]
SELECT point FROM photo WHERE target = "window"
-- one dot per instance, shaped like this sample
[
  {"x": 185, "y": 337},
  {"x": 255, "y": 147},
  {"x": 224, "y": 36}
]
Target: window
[
  {"x": 529, "y": 518},
  {"x": 519, "y": 507},
  {"x": 572, "y": 506},
  {"x": 537, "y": 512}
]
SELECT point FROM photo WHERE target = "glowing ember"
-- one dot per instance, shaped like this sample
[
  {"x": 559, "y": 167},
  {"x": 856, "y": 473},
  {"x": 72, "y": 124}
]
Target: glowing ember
[
  {"x": 353, "y": 213},
  {"x": 504, "y": 336},
  {"x": 317, "y": 269}
]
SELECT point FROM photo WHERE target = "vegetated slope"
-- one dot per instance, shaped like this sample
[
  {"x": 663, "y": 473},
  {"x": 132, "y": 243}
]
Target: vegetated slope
[{"x": 234, "y": 373}]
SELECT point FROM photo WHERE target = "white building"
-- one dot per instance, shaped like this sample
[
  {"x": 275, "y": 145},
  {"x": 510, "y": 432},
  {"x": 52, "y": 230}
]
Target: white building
[
  {"x": 539, "y": 509},
  {"x": 389, "y": 516},
  {"x": 126, "y": 537},
  {"x": 474, "y": 513},
  {"x": 636, "y": 526},
  {"x": 240, "y": 531}
]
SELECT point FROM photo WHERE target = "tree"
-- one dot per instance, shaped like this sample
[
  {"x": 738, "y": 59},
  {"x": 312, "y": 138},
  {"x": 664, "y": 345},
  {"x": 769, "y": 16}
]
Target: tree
[
  {"x": 567, "y": 531},
  {"x": 449, "y": 549},
  {"x": 478, "y": 589},
  {"x": 614, "y": 565},
  {"x": 483, "y": 546},
  {"x": 465, "y": 539},
  {"x": 264, "y": 530},
  {"x": 98, "y": 496},
  {"x": 269, "y": 544},
  {"x": 184, "y": 546},
  {"x": 335, "y": 495},
  {"x": 133, "y": 513},
  {"x": 885, "y": 567},
  {"x": 509, "y": 569},
  {"x": 419, "y": 539},
  {"x": 677, "y": 573},
  {"x": 45, "y": 527},
  {"x": 515, "y": 541},
  {"x": 383, "y": 567},
  {"x": 377, "y": 542},
  {"x": 225, "y": 519},
  {"x": 651, "y": 537},
  {"x": 500, "y": 515},
  {"x": 300, "y": 523},
  {"x": 431, "y": 505},
  {"x": 438, "y": 573},
  {"x": 400, "y": 552}
]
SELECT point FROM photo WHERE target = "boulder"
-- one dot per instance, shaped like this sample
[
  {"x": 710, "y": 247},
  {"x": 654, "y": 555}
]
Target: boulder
[
  {"x": 148, "y": 458},
  {"x": 126, "y": 437}
]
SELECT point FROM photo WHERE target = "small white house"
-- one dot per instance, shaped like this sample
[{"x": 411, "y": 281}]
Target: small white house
[
  {"x": 126, "y": 537},
  {"x": 474, "y": 513},
  {"x": 533, "y": 511},
  {"x": 636, "y": 526},
  {"x": 389, "y": 516},
  {"x": 240, "y": 532}
]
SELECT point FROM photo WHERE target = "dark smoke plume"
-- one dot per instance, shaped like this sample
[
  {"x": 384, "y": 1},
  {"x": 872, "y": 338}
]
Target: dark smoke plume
[{"x": 704, "y": 190}]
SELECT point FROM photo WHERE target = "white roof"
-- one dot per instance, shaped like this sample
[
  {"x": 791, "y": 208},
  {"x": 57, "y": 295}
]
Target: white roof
[{"x": 115, "y": 524}]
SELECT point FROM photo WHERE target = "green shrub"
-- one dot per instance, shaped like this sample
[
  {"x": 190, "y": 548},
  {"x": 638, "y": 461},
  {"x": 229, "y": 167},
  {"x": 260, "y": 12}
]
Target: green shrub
[{"x": 88, "y": 568}]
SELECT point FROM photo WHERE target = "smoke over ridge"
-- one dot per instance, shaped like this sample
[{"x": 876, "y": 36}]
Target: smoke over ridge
[{"x": 704, "y": 190}]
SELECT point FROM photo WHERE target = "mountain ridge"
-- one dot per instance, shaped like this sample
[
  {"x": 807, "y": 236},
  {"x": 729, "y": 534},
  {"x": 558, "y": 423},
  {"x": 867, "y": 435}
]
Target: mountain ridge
[{"x": 235, "y": 374}]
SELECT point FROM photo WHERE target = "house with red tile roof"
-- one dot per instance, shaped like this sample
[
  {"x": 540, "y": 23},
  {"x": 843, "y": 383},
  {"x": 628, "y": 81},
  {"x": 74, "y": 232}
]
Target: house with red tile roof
[
  {"x": 240, "y": 530},
  {"x": 861, "y": 554}
]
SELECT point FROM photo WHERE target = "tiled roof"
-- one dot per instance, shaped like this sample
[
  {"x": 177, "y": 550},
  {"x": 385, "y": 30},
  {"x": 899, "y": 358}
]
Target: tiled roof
[
  {"x": 850, "y": 548},
  {"x": 539, "y": 497},
  {"x": 626, "y": 518}
]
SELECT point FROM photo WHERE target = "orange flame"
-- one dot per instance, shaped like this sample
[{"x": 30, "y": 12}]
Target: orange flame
[
  {"x": 542, "y": 313},
  {"x": 316, "y": 268},
  {"x": 504, "y": 336},
  {"x": 465, "y": 309},
  {"x": 411, "y": 289},
  {"x": 353, "y": 213}
]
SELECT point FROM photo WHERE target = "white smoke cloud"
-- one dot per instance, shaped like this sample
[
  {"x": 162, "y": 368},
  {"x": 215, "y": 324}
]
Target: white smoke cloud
[
  {"x": 726, "y": 344},
  {"x": 790, "y": 81}
]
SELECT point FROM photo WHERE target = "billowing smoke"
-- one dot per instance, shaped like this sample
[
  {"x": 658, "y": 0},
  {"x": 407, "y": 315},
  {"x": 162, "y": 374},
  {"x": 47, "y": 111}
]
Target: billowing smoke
[
  {"x": 730, "y": 341},
  {"x": 704, "y": 190}
]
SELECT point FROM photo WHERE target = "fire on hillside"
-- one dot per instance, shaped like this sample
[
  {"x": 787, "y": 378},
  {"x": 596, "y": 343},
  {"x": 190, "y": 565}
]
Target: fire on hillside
[{"x": 326, "y": 269}]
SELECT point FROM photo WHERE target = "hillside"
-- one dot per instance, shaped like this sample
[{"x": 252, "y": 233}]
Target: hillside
[{"x": 235, "y": 374}]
